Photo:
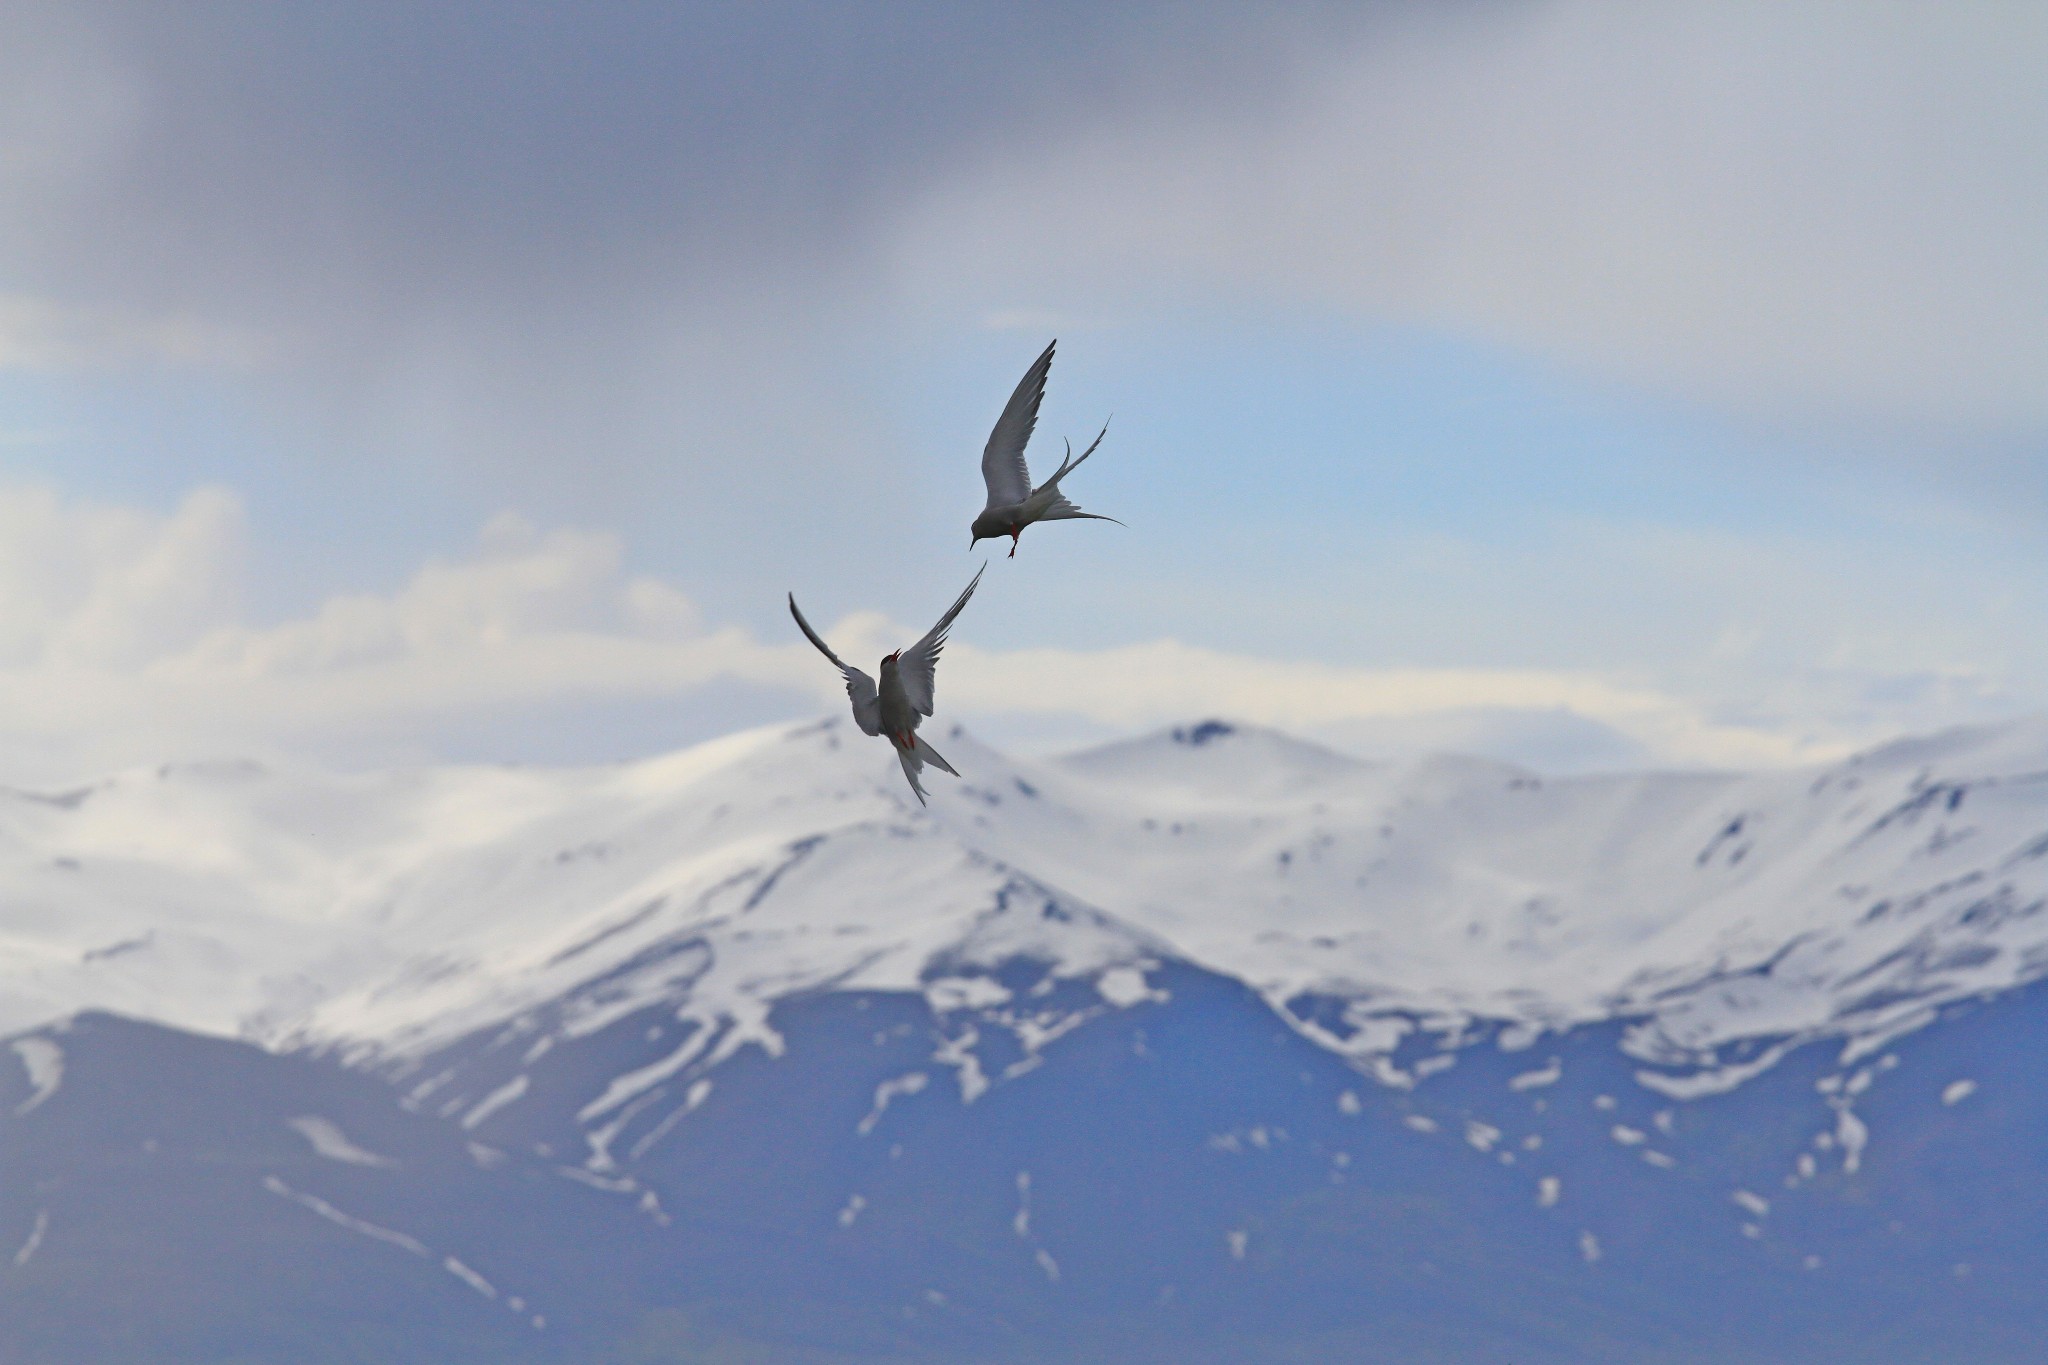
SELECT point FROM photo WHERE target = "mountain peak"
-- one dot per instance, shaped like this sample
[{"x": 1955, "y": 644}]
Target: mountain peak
[{"x": 1215, "y": 755}]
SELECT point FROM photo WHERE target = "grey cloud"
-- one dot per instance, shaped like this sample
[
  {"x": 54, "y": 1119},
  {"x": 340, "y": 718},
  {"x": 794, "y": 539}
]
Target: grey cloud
[
  {"x": 580, "y": 259},
  {"x": 480, "y": 175},
  {"x": 1794, "y": 209},
  {"x": 1821, "y": 214},
  {"x": 437, "y": 147}
]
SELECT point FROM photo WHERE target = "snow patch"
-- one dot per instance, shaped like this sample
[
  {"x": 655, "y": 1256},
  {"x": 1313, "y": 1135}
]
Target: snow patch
[
  {"x": 699, "y": 1091},
  {"x": 1852, "y": 1133},
  {"x": 496, "y": 1100},
  {"x": 958, "y": 1053},
  {"x": 886, "y": 1093},
  {"x": 1124, "y": 987},
  {"x": 343, "y": 1220},
  {"x": 44, "y": 1062},
  {"x": 1712, "y": 1081},
  {"x": 949, "y": 993},
  {"x": 469, "y": 1277},
  {"x": 35, "y": 1239},
  {"x": 600, "y": 1139},
  {"x": 329, "y": 1141},
  {"x": 636, "y": 1082}
]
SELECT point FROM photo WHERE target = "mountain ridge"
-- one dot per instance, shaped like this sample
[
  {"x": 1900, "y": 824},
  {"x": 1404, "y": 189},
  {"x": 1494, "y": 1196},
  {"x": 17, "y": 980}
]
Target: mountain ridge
[{"x": 357, "y": 910}]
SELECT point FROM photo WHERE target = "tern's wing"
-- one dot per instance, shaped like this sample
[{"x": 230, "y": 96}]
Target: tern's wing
[
  {"x": 1002, "y": 459},
  {"x": 860, "y": 688},
  {"x": 916, "y": 665}
]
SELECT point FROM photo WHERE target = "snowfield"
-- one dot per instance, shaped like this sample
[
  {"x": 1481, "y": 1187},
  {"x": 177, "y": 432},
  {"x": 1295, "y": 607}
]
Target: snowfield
[{"x": 389, "y": 914}]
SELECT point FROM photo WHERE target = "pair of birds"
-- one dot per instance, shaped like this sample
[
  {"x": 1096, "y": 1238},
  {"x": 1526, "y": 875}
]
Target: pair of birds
[{"x": 897, "y": 705}]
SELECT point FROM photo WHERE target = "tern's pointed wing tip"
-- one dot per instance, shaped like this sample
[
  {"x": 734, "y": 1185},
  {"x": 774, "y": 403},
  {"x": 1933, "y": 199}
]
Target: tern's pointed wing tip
[{"x": 1003, "y": 469}]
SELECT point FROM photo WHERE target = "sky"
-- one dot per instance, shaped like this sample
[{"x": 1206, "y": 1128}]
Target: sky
[{"x": 1588, "y": 386}]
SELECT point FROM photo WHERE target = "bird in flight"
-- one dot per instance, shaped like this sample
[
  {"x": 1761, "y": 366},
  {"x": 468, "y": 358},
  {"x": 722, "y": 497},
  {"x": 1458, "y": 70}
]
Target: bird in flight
[
  {"x": 1013, "y": 503},
  {"x": 899, "y": 704}
]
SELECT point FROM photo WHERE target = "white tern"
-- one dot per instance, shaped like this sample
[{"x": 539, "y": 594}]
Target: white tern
[
  {"x": 1013, "y": 503},
  {"x": 900, "y": 703}
]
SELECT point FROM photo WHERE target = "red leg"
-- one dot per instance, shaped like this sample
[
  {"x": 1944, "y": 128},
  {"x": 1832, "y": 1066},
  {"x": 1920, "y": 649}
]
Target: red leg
[{"x": 1015, "y": 536}]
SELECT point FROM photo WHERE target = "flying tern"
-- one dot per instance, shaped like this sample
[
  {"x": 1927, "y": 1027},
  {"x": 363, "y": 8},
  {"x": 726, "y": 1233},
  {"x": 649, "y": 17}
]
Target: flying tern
[
  {"x": 899, "y": 704},
  {"x": 1013, "y": 503}
]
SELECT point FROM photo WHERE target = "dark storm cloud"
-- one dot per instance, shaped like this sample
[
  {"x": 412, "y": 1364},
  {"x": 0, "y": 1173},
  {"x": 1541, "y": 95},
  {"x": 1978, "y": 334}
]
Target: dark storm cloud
[
  {"x": 566, "y": 257},
  {"x": 268, "y": 159}
]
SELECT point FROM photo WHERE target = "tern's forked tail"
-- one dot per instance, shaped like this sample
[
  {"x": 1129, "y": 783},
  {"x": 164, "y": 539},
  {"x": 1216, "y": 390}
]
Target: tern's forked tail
[
  {"x": 913, "y": 760},
  {"x": 1070, "y": 464}
]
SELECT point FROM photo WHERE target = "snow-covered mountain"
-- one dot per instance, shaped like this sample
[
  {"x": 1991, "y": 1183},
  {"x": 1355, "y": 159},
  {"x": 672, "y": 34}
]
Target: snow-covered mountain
[
  {"x": 1685, "y": 995},
  {"x": 392, "y": 913}
]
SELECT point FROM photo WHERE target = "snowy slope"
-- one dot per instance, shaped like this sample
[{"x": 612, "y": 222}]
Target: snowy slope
[
  {"x": 1851, "y": 900},
  {"x": 391, "y": 914}
]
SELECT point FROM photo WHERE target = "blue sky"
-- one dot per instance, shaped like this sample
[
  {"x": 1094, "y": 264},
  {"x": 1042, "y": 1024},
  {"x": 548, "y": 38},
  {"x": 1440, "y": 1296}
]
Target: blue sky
[{"x": 1585, "y": 385}]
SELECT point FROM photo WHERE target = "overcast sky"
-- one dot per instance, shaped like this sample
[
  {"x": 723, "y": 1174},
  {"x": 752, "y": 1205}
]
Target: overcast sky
[{"x": 1587, "y": 385}]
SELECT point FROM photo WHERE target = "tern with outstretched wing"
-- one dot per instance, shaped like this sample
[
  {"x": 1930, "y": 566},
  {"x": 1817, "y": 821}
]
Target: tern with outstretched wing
[
  {"x": 898, "y": 704},
  {"x": 1013, "y": 503}
]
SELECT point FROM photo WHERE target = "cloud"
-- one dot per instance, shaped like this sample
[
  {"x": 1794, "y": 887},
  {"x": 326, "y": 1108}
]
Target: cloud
[
  {"x": 1156, "y": 681},
  {"x": 93, "y": 586},
  {"x": 40, "y": 336},
  {"x": 124, "y": 642},
  {"x": 582, "y": 248},
  {"x": 680, "y": 270},
  {"x": 491, "y": 232},
  {"x": 1817, "y": 212}
]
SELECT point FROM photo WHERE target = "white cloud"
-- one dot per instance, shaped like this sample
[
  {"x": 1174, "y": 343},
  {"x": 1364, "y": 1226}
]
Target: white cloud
[
  {"x": 88, "y": 586},
  {"x": 1161, "y": 680},
  {"x": 123, "y": 643},
  {"x": 44, "y": 336}
]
